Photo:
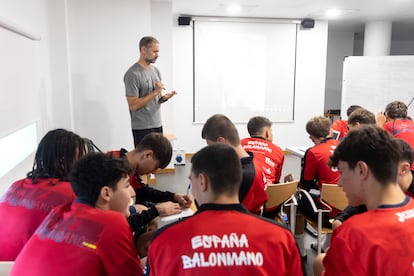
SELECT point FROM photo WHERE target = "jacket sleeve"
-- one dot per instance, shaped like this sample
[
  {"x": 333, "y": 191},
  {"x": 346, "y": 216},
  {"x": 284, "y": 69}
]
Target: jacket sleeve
[
  {"x": 349, "y": 211},
  {"x": 146, "y": 193},
  {"x": 139, "y": 220}
]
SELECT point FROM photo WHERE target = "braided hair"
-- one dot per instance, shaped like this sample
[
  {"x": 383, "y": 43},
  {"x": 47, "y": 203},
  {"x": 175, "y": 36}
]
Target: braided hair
[{"x": 57, "y": 152}]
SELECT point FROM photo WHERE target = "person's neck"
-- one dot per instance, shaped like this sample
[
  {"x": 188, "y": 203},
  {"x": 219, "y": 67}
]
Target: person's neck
[
  {"x": 241, "y": 152},
  {"x": 143, "y": 63},
  {"x": 100, "y": 204},
  {"x": 390, "y": 194},
  {"x": 258, "y": 136},
  {"x": 319, "y": 140},
  {"x": 131, "y": 156},
  {"x": 224, "y": 199}
]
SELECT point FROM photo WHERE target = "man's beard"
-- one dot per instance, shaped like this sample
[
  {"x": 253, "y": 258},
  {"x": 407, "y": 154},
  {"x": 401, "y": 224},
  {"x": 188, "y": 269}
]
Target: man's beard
[{"x": 151, "y": 60}]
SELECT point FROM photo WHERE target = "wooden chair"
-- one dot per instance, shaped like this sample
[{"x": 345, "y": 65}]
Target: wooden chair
[
  {"x": 331, "y": 195},
  {"x": 283, "y": 193}
]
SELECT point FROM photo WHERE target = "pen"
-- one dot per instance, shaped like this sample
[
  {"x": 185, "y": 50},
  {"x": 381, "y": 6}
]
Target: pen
[{"x": 188, "y": 188}]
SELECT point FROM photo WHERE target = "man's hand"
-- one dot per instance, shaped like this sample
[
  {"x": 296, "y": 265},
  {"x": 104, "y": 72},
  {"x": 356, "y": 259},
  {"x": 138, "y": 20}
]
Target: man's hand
[
  {"x": 140, "y": 208},
  {"x": 158, "y": 87},
  {"x": 168, "y": 208},
  {"x": 381, "y": 119},
  {"x": 167, "y": 96},
  {"x": 184, "y": 200},
  {"x": 336, "y": 223}
]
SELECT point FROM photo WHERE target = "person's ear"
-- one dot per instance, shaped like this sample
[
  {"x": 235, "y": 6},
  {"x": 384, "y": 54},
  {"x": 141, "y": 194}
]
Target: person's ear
[
  {"x": 148, "y": 154},
  {"x": 204, "y": 182},
  {"x": 267, "y": 133},
  {"x": 404, "y": 168},
  {"x": 106, "y": 193},
  {"x": 362, "y": 168},
  {"x": 221, "y": 140}
]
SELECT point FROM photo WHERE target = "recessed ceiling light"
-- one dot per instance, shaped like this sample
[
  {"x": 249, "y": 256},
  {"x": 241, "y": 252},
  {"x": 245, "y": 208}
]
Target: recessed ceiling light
[
  {"x": 332, "y": 13},
  {"x": 233, "y": 9}
]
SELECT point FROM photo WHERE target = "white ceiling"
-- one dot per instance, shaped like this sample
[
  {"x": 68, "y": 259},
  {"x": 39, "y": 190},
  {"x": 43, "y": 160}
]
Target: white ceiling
[{"x": 357, "y": 12}]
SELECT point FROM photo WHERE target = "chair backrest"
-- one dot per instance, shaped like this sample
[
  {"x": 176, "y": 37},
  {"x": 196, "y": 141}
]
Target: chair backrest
[
  {"x": 334, "y": 196},
  {"x": 279, "y": 193}
]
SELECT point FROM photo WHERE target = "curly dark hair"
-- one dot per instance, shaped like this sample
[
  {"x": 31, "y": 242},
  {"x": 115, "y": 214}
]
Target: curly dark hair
[
  {"x": 94, "y": 171},
  {"x": 396, "y": 110}
]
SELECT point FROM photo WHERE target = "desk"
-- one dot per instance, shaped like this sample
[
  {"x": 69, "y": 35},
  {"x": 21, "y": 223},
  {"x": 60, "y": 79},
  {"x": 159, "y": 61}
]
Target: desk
[{"x": 298, "y": 151}]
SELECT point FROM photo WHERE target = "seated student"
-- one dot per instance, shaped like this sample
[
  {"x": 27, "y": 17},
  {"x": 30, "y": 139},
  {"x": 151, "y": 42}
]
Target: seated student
[
  {"x": 153, "y": 152},
  {"x": 360, "y": 116},
  {"x": 29, "y": 200},
  {"x": 90, "y": 236},
  {"x": 219, "y": 129},
  {"x": 395, "y": 120},
  {"x": 405, "y": 179},
  {"x": 406, "y": 172},
  {"x": 234, "y": 241},
  {"x": 379, "y": 241},
  {"x": 340, "y": 127},
  {"x": 269, "y": 155},
  {"x": 315, "y": 171}
]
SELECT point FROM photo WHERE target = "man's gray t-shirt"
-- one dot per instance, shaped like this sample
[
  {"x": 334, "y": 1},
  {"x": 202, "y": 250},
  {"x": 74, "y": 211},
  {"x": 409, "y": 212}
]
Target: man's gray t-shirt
[{"x": 139, "y": 82}]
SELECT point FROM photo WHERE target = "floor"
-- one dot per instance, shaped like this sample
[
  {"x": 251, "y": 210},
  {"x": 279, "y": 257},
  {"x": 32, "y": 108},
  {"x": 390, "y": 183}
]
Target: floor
[{"x": 178, "y": 182}]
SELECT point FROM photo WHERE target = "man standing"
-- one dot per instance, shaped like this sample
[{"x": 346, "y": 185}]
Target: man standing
[{"x": 143, "y": 90}]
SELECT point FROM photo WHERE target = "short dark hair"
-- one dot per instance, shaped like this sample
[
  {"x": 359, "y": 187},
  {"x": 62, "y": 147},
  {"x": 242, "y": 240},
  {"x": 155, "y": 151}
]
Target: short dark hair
[
  {"x": 219, "y": 125},
  {"x": 147, "y": 41},
  {"x": 396, "y": 110},
  {"x": 94, "y": 171},
  {"x": 361, "y": 116},
  {"x": 222, "y": 165},
  {"x": 351, "y": 109},
  {"x": 257, "y": 124},
  {"x": 372, "y": 145},
  {"x": 318, "y": 126},
  {"x": 406, "y": 150},
  {"x": 160, "y": 146},
  {"x": 56, "y": 153}
]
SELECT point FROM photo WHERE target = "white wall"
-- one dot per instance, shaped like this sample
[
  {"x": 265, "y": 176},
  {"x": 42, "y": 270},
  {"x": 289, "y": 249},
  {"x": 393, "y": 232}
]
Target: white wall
[
  {"x": 398, "y": 47},
  {"x": 103, "y": 43},
  {"x": 24, "y": 76},
  {"x": 60, "y": 93},
  {"x": 309, "y": 95},
  {"x": 340, "y": 45}
]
